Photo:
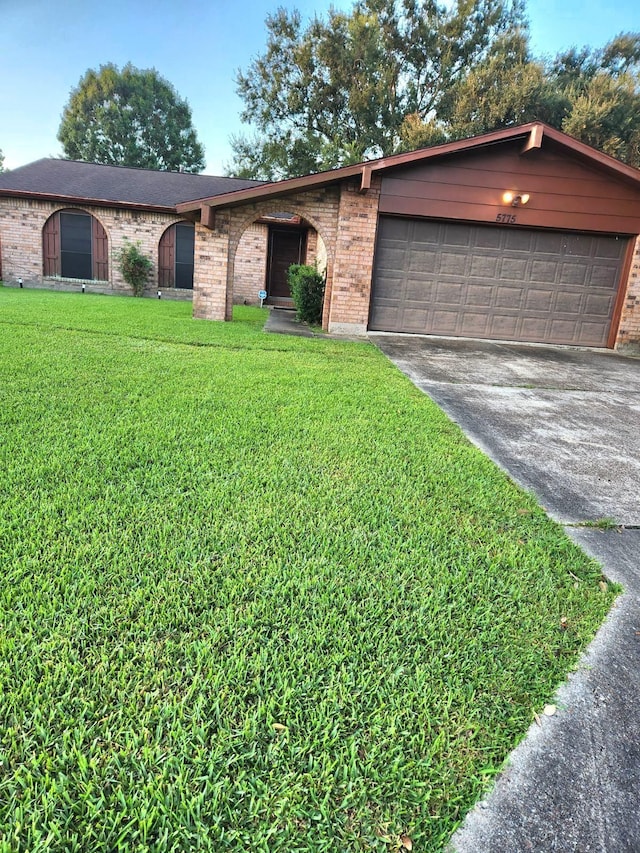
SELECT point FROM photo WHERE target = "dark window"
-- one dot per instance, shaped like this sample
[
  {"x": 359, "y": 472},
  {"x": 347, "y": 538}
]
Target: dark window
[
  {"x": 185, "y": 235},
  {"x": 75, "y": 245}
]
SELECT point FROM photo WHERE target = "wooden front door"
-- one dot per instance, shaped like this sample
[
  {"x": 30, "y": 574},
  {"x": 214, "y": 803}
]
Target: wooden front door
[{"x": 286, "y": 247}]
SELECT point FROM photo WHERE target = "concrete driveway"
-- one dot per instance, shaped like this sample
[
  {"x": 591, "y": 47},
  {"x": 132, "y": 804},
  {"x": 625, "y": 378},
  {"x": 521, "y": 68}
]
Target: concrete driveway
[{"x": 565, "y": 424}]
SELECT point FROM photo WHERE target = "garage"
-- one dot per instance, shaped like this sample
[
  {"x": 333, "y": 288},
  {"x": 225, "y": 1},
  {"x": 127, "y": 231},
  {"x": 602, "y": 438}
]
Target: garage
[{"x": 483, "y": 281}]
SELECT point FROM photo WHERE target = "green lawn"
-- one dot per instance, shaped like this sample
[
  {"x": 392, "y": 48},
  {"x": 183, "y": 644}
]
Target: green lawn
[{"x": 257, "y": 592}]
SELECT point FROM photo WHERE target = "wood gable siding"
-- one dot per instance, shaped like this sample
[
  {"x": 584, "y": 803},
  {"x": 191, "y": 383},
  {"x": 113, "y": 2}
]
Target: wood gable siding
[
  {"x": 564, "y": 192},
  {"x": 51, "y": 255}
]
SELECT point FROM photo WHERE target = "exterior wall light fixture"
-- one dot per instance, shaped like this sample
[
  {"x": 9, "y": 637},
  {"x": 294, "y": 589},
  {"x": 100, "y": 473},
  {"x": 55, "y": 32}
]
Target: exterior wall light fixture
[{"x": 515, "y": 199}]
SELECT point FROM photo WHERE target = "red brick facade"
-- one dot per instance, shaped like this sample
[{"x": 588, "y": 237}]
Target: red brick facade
[
  {"x": 21, "y": 224},
  {"x": 629, "y": 330},
  {"x": 344, "y": 221}
]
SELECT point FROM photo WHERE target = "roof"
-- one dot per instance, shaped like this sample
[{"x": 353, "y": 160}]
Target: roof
[
  {"x": 122, "y": 186},
  {"x": 533, "y": 136}
]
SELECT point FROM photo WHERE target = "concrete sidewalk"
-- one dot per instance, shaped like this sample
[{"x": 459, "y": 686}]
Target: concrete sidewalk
[
  {"x": 565, "y": 424},
  {"x": 283, "y": 321}
]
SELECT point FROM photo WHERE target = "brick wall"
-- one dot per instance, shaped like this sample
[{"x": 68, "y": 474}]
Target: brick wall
[
  {"x": 629, "y": 329},
  {"x": 351, "y": 291},
  {"x": 212, "y": 300},
  {"x": 21, "y": 224},
  {"x": 219, "y": 251},
  {"x": 250, "y": 264}
]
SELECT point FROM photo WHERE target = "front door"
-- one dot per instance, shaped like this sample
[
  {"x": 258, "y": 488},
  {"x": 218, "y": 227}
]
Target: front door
[{"x": 286, "y": 247}]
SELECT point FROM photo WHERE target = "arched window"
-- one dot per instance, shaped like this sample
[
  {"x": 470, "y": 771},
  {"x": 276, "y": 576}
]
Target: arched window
[
  {"x": 74, "y": 245},
  {"x": 175, "y": 256}
]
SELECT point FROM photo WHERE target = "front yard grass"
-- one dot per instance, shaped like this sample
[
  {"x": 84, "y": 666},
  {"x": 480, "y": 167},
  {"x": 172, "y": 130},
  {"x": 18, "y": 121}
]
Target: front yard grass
[{"x": 257, "y": 592}]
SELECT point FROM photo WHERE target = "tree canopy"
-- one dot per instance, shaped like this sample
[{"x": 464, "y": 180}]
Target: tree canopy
[
  {"x": 393, "y": 75},
  {"x": 1, "y": 161},
  {"x": 131, "y": 117}
]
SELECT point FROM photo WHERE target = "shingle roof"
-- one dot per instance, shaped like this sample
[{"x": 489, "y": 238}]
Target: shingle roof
[{"x": 118, "y": 184}]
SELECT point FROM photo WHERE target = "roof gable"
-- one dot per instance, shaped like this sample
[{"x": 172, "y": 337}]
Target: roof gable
[{"x": 531, "y": 137}]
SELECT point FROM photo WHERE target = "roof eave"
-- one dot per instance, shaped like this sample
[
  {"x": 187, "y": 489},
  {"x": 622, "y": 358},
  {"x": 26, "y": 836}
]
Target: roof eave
[
  {"x": 97, "y": 202},
  {"x": 272, "y": 190}
]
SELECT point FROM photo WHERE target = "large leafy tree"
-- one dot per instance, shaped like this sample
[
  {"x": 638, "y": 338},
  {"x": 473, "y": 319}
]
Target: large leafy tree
[
  {"x": 592, "y": 94},
  {"x": 131, "y": 117},
  {"x": 601, "y": 89},
  {"x": 1, "y": 161},
  {"x": 339, "y": 90},
  {"x": 400, "y": 74}
]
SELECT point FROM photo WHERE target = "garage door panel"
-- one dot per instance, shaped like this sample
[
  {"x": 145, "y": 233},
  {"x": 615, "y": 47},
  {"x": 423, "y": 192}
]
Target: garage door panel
[
  {"x": 453, "y": 263},
  {"x": 508, "y": 297},
  {"x": 569, "y": 302},
  {"x": 455, "y": 234},
  {"x": 596, "y": 306},
  {"x": 547, "y": 243},
  {"x": 488, "y": 281},
  {"x": 539, "y": 300},
  {"x": 414, "y": 320},
  {"x": 449, "y": 293},
  {"x": 445, "y": 320},
  {"x": 518, "y": 241},
  {"x": 479, "y": 295},
  {"x": 578, "y": 245},
  {"x": 504, "y": 326},
  {"x": 390, "y": 287},
  {"x": 474, "y": 324},
  {"x": 489, "y": 238},
  {"x": 423, "y": 262},
  {"x": 483, "y": 267},
  {"x": 604, "y": 276},
  {"x": 574, "y": 273},
  {"x": 605, "y": 247},
  {"x": 543, "y": 271},
  {"x": 513, "y": 268},
  {"x": 419, "y": 291},
  {"x": 592, "y": 335}
]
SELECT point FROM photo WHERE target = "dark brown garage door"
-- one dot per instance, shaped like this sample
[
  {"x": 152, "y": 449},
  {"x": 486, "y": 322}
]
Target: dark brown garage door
[{"x": 449, "y": 278}]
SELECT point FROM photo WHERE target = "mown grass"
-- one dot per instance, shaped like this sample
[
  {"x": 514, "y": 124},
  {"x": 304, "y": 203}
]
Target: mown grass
[{"x": 257, "y": 592}]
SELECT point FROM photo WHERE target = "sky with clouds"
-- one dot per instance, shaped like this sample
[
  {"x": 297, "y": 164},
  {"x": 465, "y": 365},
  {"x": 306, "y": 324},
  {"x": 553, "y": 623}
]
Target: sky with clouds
[{"x": 47, "y": 47}]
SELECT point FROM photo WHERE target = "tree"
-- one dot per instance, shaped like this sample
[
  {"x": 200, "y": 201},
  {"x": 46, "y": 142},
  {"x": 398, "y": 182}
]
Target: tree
[
  {"x": 339, "y": 90},
  {"x": 602, "y": 94},
  {"x": 131, "y": 117},
  {"x": 396, "y": 75},
  {"x": 593, "y": 95},
  {"x": 1, "y": 161}
]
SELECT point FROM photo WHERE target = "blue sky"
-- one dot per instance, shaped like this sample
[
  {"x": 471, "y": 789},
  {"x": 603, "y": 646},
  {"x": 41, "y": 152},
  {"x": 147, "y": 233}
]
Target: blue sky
[{"x": 46, "y": 47}]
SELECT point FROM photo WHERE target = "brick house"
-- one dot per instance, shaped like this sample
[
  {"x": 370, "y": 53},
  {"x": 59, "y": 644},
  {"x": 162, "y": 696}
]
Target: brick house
[{"x": 523, "y": 234}]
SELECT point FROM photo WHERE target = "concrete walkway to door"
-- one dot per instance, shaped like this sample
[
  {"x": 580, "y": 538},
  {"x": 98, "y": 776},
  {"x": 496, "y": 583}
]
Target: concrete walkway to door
[{"x": 565, "y": 424}]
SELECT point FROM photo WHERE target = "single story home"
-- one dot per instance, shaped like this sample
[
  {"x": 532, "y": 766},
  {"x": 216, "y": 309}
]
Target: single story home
[{"x": 522, "y": 234}]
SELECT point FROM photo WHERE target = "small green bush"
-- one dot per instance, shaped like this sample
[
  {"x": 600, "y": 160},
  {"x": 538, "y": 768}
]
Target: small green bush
[
  {"x": 307, "y": 292},
  {"x": 134, "y": 266}
]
